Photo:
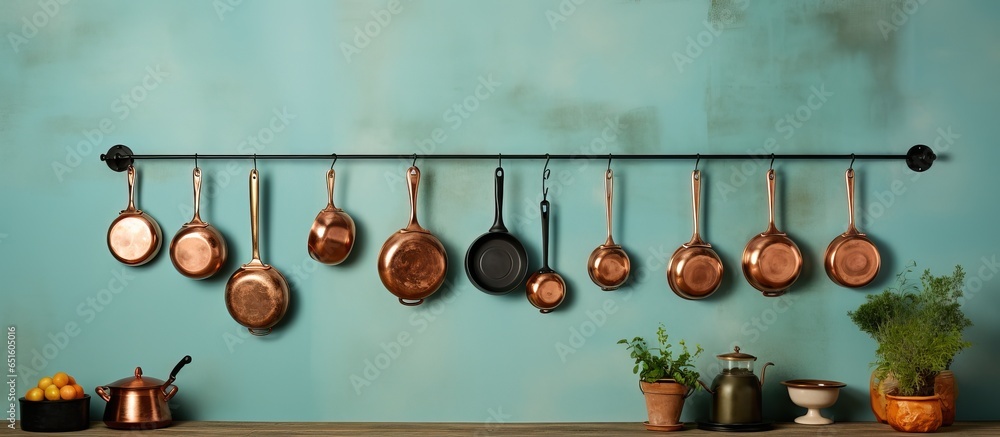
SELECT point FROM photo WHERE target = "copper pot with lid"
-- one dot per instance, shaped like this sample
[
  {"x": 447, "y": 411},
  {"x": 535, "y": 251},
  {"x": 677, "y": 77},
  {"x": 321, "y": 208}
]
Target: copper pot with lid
[{"x": 139, "y": 402}]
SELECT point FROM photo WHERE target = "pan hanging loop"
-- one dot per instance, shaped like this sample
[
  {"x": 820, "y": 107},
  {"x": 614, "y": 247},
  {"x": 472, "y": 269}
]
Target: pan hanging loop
[
  {"x": 414, "y": 163},
  {"x": 500, "y": 160},
  {"x": 697, "y": 161},
  {"x": 334, "y": 161},
  {"x": 852, "y": 162},
  {"x": 195, "y": 160},
  {"x": 609, "y": 162},
  {"x": 772, "y": 162},
  {"x": 255, "y": 161},
  {"x": 545, "y": 176}
]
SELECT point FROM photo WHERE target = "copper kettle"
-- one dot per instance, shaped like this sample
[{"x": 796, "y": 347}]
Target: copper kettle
[
  {"x": 736, "y": 391},
  {"x": 139, "y": 402}
]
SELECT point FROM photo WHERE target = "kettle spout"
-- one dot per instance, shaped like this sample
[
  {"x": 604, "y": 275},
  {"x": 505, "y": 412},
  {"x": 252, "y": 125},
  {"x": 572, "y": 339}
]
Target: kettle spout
[
  {"x": 706, "y": 388},
  {"x": 763, "y": 370}
]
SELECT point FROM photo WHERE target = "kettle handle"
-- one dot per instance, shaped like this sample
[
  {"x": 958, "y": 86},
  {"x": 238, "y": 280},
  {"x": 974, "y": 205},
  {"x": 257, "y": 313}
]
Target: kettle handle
[
  {"x": 167, "y": 394},
  {"x": 103, "y": 394}
]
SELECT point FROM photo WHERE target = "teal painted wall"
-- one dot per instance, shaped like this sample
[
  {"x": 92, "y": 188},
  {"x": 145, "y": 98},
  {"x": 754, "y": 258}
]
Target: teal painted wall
[{"x": 199, "y": 76}]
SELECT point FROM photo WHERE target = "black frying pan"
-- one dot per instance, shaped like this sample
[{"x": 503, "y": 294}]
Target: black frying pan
[{"x": 496, "y": 262}]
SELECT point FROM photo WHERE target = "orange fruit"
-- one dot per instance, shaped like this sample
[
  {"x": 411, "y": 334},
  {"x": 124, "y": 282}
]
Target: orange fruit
[
  {"x": 79, "y": 390},
  {"x": 60, "y": 379},
  {"x": 44, "y": 382},
  {"x": 67, "y": 392},
  {"x": 52, "y": 393},
  {"x": 72, "y": 380},
  {"x": 35, "y": 394}
]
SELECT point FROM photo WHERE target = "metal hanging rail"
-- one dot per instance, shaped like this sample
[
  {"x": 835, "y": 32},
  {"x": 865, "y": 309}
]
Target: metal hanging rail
[{"x": 919, "y": 158}]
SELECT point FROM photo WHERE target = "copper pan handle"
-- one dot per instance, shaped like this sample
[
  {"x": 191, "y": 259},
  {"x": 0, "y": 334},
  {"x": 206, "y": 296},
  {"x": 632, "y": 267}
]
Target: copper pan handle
[
  {"x": 412, "y": 183},
  {"x": 851, "y": 229},
  {"x": 696, "y": 207},
  {"x": 196, "y": 175},
  {"x": 411, "y": 303},
  {"x": 330, "y": 176},
  {"x": 103, "y": 394},
  {"x": 254, "y": 210},
  {"x": 771, "y": 228},
  {"x": 609, "y": 193},
  {"x": 131, "y": 189},
  {"x": 259, "y": 332}
]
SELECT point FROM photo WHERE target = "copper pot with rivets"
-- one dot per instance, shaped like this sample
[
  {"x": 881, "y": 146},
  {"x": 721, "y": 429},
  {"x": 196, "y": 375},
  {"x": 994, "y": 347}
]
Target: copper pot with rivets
[{"x": 139, "y": 402}]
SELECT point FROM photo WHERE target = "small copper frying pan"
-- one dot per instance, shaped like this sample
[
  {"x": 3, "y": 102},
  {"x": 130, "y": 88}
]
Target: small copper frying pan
[
  {"x": 609, "y": 265},
  {"x": 852, "y": 260},
  {"x": 257, "y": 294},
  {"x": 695, "y": 270},
  {"x": 771, "y": 261},
  {"x": 198, "y": 249},
  {"x": 545, "y": 288},
  {"x": 413, "y": 263},
  {"x": 134, "y": 238},
  {"x": 331, "y": 237}
]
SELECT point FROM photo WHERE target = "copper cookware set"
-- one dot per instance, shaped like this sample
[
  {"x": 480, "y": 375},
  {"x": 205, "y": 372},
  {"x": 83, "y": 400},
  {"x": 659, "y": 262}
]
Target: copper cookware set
[{"x": 413, "y": 263}]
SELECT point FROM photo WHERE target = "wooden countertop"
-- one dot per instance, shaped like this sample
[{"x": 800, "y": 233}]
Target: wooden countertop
[{"x": 506, "y": 429}]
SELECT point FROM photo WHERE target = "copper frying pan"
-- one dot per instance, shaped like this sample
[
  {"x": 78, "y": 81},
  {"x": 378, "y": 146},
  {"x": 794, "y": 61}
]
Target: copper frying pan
[
  {"x": 545, "y": 288},
  {"x": 198, "y": 249},
  {"x": 851, "y": 259},
  {"x": 609, "y": 265},
  {"x": 257, "y": 294},
  {"x": 413, "y": 263},
  {"x": 331, "y": 237},
  {"x": 134, "y": 237},
  {"x": 695, "y": 270},
  {"x": 771, "y": 261}
]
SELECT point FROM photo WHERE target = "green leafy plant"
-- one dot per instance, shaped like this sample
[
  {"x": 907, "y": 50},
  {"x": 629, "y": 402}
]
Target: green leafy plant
[
  {"x": 652, "y": 366},
  {"x": 918, "y": 329}
]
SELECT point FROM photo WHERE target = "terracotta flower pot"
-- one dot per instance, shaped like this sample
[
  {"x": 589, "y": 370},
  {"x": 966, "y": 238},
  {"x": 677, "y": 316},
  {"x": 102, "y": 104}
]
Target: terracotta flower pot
[
  {"x": 664, "y": 402},
  {"x": 946, "y": 389},
  {"x": 914, "y": 413}
]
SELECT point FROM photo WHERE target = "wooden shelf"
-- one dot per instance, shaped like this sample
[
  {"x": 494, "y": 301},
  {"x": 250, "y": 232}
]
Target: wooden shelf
[{"x": 506, "y": 429}]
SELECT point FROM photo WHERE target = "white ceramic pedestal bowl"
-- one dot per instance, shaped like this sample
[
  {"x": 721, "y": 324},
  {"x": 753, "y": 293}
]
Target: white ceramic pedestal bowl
[{"x": 813, "y": 394}]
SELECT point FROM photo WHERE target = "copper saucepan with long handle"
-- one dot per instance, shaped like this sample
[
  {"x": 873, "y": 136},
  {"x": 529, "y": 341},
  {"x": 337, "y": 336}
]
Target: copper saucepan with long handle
[
  {"x": 609, "y": 265},
  {"x": 257, "y": 294},
  {"x": 851, "y": 259},
  {"x": 331, "y": 237},
  {"x": 545, "y": 288},
  {"x": 134, "y": 237},
  {"x": 412, "y": 263},
  {"x": 695, "y": 270},
  {"x": 198, "y": 250},
  {"x": 771, "y": 261}
]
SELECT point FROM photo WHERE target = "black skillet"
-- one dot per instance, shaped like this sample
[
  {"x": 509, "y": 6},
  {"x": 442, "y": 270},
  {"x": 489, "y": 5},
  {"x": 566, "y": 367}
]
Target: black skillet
[{"x": 496, "y": 262}]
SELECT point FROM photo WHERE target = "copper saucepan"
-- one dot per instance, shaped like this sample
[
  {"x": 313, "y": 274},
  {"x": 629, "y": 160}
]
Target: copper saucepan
[
  {"x": 413, "y": 263},
  {"x": 609, "y": 265},
  {"x": 771, "y": 261},
  {"x": 851, "y": 259},
  {"x": 198, "y": 249},
  {"x": 545, "y": 288},
  {"x": 257, "y": 294},
  {"x": 695, "y": 270},
  {"x": 134, "y": 237},
  {"x": 331, "y": 237}
]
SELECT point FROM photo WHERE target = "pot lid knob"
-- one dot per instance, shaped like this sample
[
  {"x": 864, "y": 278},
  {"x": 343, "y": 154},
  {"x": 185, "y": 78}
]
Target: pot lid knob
[
  {"x": 138, "y": 372},
  {"x": 736, "y": 355}
]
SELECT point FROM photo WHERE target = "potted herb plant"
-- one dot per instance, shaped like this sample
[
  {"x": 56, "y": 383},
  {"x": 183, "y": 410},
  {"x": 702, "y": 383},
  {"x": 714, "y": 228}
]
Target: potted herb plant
[
  {"x": 665, "y": 380},
  {"x": 919, "y": 332}
]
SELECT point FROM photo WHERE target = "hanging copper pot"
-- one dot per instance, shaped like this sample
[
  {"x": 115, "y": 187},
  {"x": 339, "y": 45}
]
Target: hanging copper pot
[
  {"x": 331, "y": 237},
  {"x": 851, "y": 259},
  {"x": 412, "y": 263},
  {"x": 134, "y": 237},
  {"x": 257, "y": 294},
  {"x": 695, "y": 270},
  {"x": 771, "y": 261},
  {"x": 609, "y": 265},
  {"x": 546, "y": 289},
  {"x": 198, "y": 250}
]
